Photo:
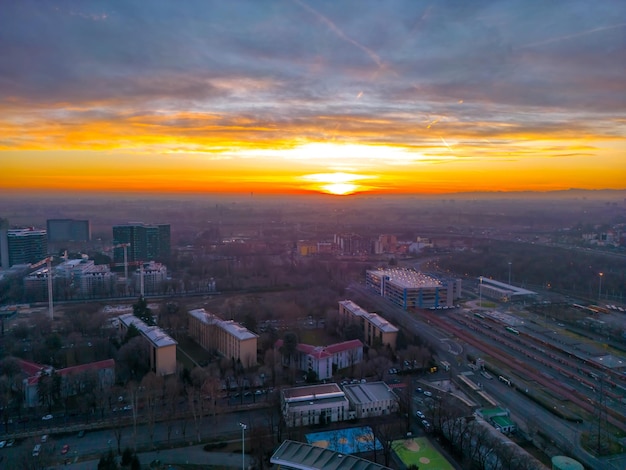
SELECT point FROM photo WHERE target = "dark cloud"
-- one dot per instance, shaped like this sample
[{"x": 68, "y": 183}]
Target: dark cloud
[{"x": 294, "y": 60}]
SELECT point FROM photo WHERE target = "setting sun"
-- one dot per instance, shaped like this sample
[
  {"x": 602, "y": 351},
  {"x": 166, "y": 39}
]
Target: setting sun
[{"x": 340, "y": 184}]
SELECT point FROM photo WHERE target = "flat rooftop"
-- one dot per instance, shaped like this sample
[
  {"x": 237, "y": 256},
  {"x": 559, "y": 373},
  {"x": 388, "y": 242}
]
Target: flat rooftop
[
  {"x": 408, "y": 278},
  {"x": 301, "y": 456},
  {"x": 508, "y": 288},
  {"x": 368, "y": 392},
  {"x": 312, "y": 392}
]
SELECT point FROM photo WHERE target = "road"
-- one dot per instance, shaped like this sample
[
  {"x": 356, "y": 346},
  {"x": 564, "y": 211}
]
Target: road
[
  {"x": 566, "y": 435},
  {"x": 97, "y": 443}
]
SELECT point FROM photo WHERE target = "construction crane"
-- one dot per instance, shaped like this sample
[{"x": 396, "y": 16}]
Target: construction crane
[
  {"x": 48, "y": 262},
  {"x": 125, "y": 246}
]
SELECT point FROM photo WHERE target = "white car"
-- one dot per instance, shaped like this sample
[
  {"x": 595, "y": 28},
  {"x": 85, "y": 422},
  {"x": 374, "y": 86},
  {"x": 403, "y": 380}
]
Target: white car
[
  {"x": 419, "y": 414},
  {"x": 2, "y": 444},
  {"x": 47, "y": 417},
  {"x": 428, "y": 394}
]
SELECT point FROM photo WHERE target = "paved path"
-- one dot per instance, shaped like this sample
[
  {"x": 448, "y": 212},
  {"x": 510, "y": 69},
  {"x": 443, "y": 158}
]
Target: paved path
[{"x": 181, "y": 455}]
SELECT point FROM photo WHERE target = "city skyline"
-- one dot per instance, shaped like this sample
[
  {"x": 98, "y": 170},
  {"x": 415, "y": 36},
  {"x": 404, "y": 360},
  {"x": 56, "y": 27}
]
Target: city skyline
[{"x": 297, "y": 97}]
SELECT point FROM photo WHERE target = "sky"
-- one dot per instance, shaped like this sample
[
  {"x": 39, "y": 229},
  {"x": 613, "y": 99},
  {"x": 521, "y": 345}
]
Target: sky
[{"x": 297, "y": 96}]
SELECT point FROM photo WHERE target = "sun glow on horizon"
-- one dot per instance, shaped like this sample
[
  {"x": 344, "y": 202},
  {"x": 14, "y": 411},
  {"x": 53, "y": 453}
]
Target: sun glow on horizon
[{"x": 337, "y": 183}]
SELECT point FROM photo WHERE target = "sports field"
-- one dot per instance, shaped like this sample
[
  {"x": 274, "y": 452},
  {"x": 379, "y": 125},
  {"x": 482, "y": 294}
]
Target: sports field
[
  {"x": 346, "y": 441},
  {"x": 421, "y": 453}
]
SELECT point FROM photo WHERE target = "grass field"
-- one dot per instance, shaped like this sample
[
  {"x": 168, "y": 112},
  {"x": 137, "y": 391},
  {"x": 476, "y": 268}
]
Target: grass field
[{"x": 421, "y": 453}]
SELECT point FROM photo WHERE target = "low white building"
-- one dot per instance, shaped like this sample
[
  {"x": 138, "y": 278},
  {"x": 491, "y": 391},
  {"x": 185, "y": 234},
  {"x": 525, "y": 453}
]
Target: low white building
[
  {"x": 324, "y": 360},
  {"x": 371, "y": 399},
  {"x": 314, "y": 404}
]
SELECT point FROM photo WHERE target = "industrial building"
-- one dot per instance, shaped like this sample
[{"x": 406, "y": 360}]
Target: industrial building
[
  {"x": 226, "y": 337},
  {"x": 147, "y": 242},
  {"x": 411, "y": 289},
  {"x": 375, "y": 328},
  {"x": 502, "y": 292}
]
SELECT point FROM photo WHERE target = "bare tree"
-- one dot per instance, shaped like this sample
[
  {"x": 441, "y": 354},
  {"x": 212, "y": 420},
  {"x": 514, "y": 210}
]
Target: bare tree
[{"x": 153, "y": 386}]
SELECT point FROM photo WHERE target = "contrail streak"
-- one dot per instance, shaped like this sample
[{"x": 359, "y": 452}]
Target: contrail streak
[
  {"x": 575, "y": 35},
  {"x": 341, "y": 34}
]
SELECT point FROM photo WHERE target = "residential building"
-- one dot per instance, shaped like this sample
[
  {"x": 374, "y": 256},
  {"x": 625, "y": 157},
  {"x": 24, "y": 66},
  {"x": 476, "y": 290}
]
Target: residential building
[
  {"x": 153, "y": 274},
  {"x": 325, "y": 360},
  {"x": 374, "y": 327},
  {"x": 314, "y": 404},
  {"x": 147, "y": 242},
  {"x": 385, "y": 244},
  {"x": 411, "y": 289},
  {"x": 371, "y": 399},
  {"x": 306, "y": 248},
  {"x": 68, "y": 230},
  {"x": 73, "y": 380},
  {"x": 161, "y": 347},
  {"x": 350, "y": 244},
  {"x": 226, "y": 337},
  {"x": 72, "y": 279},
  {"x": 23, "y": 246}
]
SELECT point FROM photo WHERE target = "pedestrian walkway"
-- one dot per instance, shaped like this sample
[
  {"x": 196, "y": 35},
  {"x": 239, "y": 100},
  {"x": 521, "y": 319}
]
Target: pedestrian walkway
[{"x": 194, "y": 455}]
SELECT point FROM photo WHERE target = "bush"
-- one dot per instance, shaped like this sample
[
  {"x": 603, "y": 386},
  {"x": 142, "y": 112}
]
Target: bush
[{"x": 214, "y": 445}]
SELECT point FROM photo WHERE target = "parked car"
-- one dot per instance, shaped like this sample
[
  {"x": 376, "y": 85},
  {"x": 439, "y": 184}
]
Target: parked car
[
  {"x": 44, "y": 438},
  {"x": 419, "y": 414},
  {"x": 81, "y": 433},
  {"x": 428, "y": 394},
  {"x": 47, "y": 417},
  {"x": 65, "y": 449}
]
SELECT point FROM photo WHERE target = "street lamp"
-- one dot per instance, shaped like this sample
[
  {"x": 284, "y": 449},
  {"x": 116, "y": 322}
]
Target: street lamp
[
  {"x": 600, "y": 287},
  {"x": 480, "y": 293},
  {"x": 509, "y": 273},
  {"x": 243, "y": 445}
]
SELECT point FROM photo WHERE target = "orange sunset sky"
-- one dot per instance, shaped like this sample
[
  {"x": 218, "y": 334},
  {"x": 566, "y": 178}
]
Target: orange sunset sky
[{"x": 297, "y": 96}]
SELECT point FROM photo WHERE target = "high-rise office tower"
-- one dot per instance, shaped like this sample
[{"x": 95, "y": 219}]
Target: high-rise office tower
[
  {"x": 66, "y": 230},
  {"x": 147, "y": 242},
  {"x": 25, "y": 245},
  {"x": 4, "y": 244}
]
